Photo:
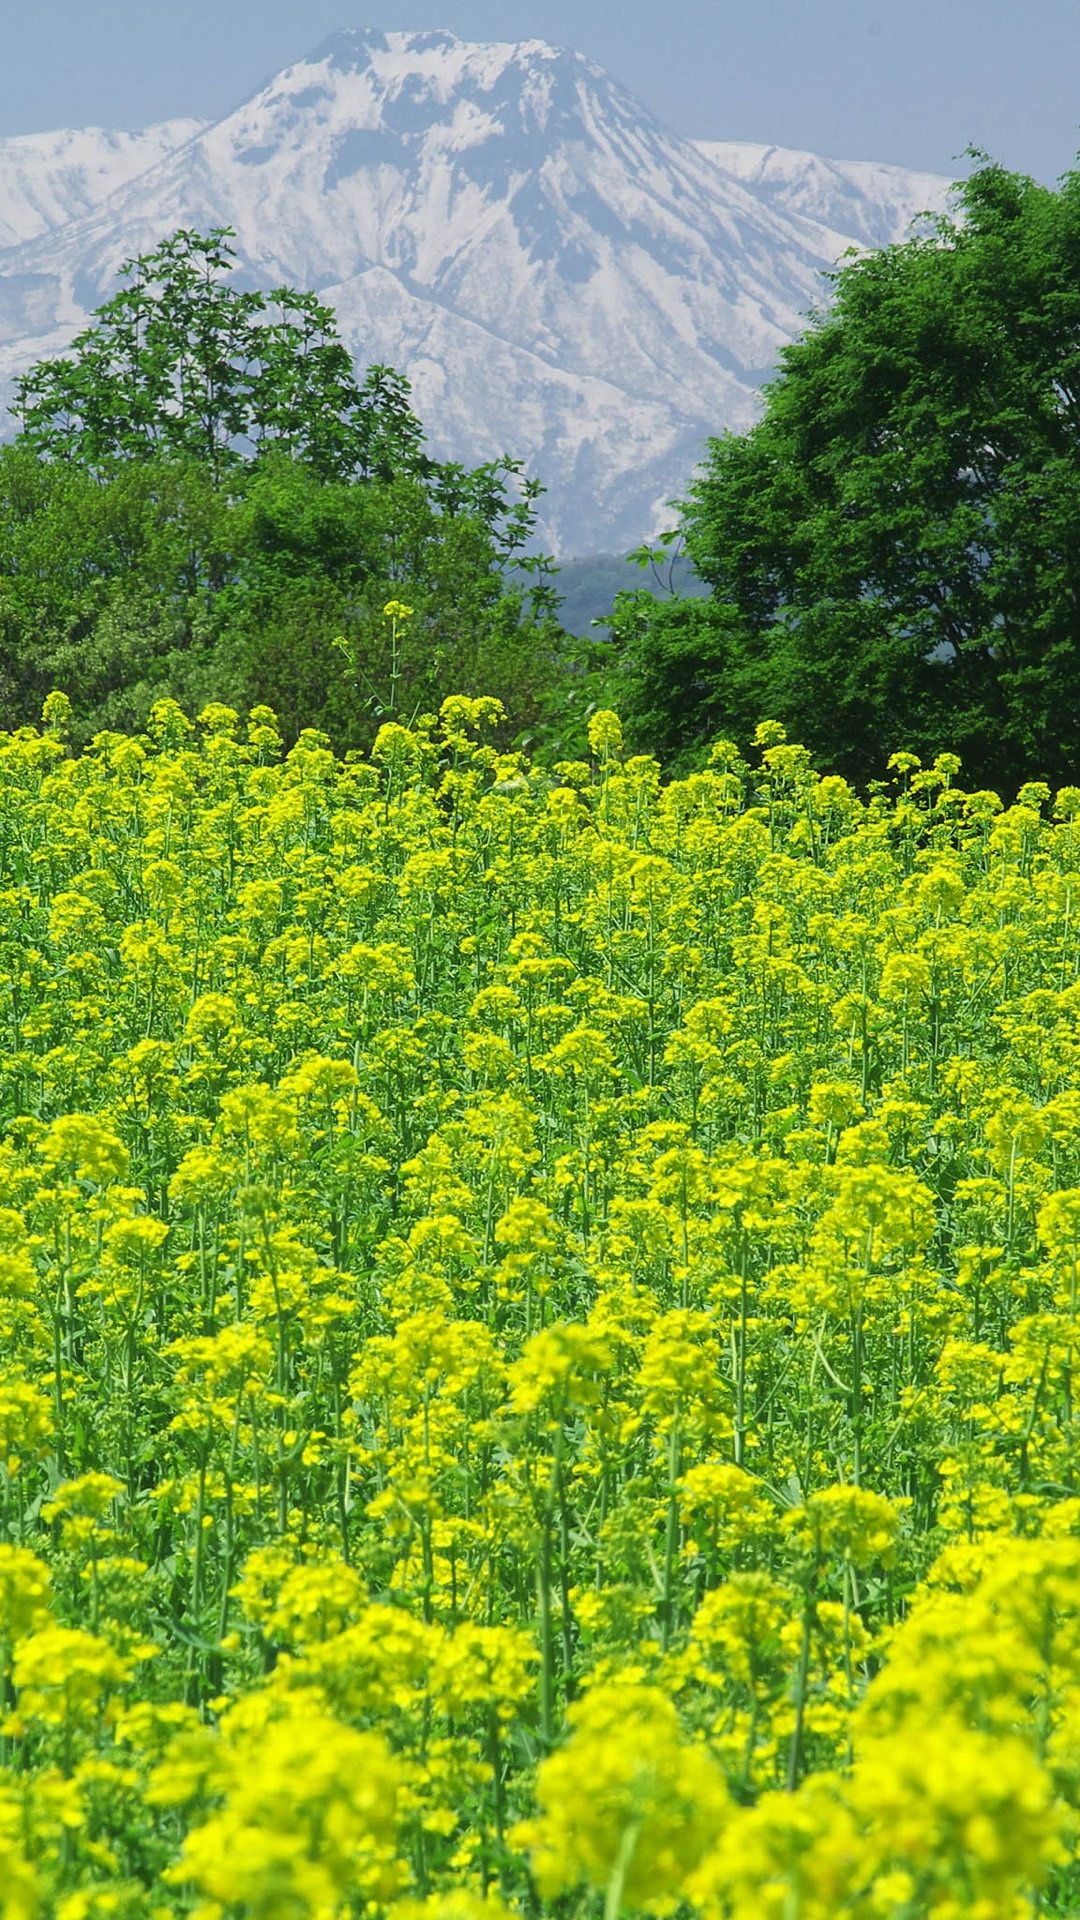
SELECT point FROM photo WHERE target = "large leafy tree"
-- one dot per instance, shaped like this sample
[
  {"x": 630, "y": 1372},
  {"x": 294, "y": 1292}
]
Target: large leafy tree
[
  {"x": 204, "y": 499},
  {"x": 894, "y": 549},
  {"x": 183, "y": 362}
]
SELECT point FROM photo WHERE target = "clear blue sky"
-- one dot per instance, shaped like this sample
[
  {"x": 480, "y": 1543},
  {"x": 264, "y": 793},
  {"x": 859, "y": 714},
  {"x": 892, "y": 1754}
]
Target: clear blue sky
[{"x": 912, "y": 81}]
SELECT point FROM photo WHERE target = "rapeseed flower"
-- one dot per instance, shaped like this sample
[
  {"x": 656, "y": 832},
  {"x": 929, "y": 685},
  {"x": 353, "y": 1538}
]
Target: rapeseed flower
[{"x": 540, "y": 1331}]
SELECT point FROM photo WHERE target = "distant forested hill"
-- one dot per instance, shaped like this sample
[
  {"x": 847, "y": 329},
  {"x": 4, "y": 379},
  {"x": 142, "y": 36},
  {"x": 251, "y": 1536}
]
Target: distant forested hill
[{"x": 586, "y": 587}]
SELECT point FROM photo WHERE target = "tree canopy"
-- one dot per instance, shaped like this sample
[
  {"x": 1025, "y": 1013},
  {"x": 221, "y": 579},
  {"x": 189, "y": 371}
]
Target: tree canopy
[
  {"x": 894, "y": 548},
  {"x": 183, "y": 362},
  {"x": 205, "y": 500}
]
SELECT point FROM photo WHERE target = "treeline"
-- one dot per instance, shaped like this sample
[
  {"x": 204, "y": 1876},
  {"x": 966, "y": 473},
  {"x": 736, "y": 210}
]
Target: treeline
[{"x": 205, "y": 501}]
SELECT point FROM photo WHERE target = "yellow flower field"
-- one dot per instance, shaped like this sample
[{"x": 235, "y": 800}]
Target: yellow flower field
[{"x": 538, "y": 1316}]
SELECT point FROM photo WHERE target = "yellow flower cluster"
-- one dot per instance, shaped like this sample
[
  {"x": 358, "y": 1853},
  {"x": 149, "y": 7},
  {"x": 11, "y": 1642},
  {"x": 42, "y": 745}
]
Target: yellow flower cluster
[{"x": 539, "y": 1330}]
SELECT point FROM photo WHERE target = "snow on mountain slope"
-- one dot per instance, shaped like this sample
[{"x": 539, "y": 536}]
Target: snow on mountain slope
[
  {"x": 47, "y": 179},
  {"x": 870, "y": 201},
  {"x": 560, "y": 277}
]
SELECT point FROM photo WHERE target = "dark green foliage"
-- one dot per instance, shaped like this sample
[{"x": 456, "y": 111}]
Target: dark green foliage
[
  {"x": 106, "y": 587},
  {"x": 156, "y": 581},
  {"x": 894, "y": 550},
  {"x": 315, "y": 567},
  {"x": 205, "y": 502}
]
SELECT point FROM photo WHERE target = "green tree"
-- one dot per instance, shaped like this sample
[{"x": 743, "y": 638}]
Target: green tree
[
  {"x": 181, "y": 362},
  {"x": 302, "y": 619},
  {"x": 156, "y": 580},
  {"x": 204, "y": 499},
  {"x": 894, "y": 548}
]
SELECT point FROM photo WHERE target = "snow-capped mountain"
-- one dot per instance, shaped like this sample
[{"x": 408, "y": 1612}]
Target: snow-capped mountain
[
  {"x": 47, "y": 179},
  {"x": 560, "y": 277},
  {"x": 870, "y": 202}
]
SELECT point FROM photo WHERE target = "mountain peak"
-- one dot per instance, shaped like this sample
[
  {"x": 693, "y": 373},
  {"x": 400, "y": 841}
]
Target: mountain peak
[
  {"x": 434, "y": 55},
  {"x": 352, "y": 47}
]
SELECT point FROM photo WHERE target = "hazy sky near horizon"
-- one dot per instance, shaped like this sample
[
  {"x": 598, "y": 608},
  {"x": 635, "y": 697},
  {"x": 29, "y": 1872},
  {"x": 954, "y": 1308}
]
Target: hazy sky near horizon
[{"x": 911, "y": 81}]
